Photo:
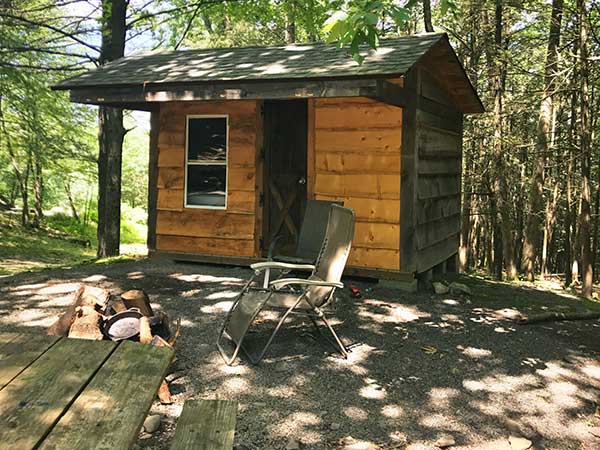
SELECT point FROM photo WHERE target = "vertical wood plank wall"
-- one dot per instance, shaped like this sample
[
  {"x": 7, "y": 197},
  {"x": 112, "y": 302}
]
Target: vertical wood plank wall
[
  {"x": 231, "y": 232},
  {"x": 357, "y": 161}
]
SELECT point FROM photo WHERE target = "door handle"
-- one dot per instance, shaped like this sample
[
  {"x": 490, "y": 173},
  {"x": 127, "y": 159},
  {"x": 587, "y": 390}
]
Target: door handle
[{"x": 301, "y": 180}]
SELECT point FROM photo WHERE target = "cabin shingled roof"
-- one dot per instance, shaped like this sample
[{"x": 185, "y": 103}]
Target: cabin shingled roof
[{"x": 301, "y": 61}]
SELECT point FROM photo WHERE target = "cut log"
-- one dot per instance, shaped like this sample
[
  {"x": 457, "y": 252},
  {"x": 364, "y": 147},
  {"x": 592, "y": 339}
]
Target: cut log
[
  {"x": 84, "y": 296},
  {"x": 87, "y": 324},
  {"x": 164, "y": 394},
  {"x": 556, "y": 316},
  {"x": 115, "y": 305},
  {"x": 137, "y": 298},
  {"x": 145, "y": 332},
  {"x": 160, "y": 342},
  {"x": 173, "y": 338}
]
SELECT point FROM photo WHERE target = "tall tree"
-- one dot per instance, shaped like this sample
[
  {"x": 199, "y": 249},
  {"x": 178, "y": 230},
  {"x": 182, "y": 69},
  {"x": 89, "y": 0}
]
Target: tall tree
[
  {"x": 585, "y": 131},
  {"x": 427, "y": 16},
  {"x": 536, "y": 194},
  {"x": 111, "y": 133},
  {"x": 499, "y": 185}
]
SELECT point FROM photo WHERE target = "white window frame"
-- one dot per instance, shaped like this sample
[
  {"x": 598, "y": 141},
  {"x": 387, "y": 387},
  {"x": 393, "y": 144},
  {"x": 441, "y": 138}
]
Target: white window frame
[{"x": 206, "y": 163}]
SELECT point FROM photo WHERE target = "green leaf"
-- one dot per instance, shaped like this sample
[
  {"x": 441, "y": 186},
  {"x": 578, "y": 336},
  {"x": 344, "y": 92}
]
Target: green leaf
[
  {"x": 371, "y": 19},
  {"x": 336, "y": 18}
]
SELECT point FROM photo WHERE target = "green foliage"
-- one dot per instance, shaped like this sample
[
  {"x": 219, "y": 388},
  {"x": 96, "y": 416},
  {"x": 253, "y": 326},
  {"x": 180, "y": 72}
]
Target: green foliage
[{"x": 356, "y": 23}]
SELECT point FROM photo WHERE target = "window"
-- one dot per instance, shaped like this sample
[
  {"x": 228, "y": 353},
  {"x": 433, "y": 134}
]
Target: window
[{"x": 206, "y": 162}]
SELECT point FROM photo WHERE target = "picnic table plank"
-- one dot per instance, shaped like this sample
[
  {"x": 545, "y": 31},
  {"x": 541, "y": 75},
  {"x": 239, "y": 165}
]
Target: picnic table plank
[
  {"x": 110, "y": 411},
  {"x": 18, "y": 351},
  {"x": 33, "y": 401},
  {"x": 206, "y": 425}
]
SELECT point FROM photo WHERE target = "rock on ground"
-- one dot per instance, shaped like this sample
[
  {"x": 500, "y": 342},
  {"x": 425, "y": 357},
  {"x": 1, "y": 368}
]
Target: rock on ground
[
  {"x": 152, "y": 423},
  {"x": 519, "y": 443},
  {"x": 440, "y": 288}
]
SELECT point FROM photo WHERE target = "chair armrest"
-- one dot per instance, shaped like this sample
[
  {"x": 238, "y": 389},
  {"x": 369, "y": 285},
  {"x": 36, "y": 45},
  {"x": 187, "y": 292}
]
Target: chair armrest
[
  {"x": 283, "y": 282},
  {"x": 257, "y": 267}
]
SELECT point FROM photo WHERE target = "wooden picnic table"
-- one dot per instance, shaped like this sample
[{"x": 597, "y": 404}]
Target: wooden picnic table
[{"x": 61, "y": 394}]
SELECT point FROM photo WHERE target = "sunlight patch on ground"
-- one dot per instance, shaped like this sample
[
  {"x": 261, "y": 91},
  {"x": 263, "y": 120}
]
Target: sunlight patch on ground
[
  {"x": 217, "y": 308},
  {"x": 354, "y": 413},
  {"x": 591, "y": 370},
  {"x": 441, "y": 397},
  {"x": 392, "y": 411},
  {"x": 60, "y": 288},
  {"x": 390, "y": 313},
  {"x": 475, "y": 353},
  {"x": 94, "y": 278},
  {"x": 135, "y": 275},
  {"x": 282, "y": 392},
  {"x": 205, "y": 278},
  {"x": 356, "y": 357},
  {"x": 26, "y": 289},
  {"x": 222, "y": 294},
  {"x": 373, "y": 392},
  {"x": 236, "y": 385},
  {"x": 299, "y": 423},
  {"x": 191, "y": 293},
  {"x": 500, "y": 383},
  {"x": 234, "y": 370},
  {"x": 563, "y": 394}
]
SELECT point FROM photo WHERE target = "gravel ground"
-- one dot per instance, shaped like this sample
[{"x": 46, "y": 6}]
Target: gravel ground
[{"x": 482, "y": 379}]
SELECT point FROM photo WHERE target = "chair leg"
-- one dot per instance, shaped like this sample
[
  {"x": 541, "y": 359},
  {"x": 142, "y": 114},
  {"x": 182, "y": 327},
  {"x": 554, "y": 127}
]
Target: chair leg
[
  {"x": 337, "y": 344},
  {"x": 229, "y": 360},
  {"x": 274, "y": 333}
]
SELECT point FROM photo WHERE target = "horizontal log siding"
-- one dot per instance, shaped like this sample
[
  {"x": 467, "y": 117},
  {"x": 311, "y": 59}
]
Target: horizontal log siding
[
  {"x": 207, "y": 231},
  {"x": 438, "y": 188},
  {"x": 357, "y": 161}
]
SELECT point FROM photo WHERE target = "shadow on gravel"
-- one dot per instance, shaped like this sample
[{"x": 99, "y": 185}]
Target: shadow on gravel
[{"x": 421, "y": 365}]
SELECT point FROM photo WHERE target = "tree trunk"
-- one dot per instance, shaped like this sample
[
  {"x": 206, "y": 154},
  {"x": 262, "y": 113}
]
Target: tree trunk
[
  {"x": 427, "y": 16},
  {"x": 570, "y": 233},
  {"x": 585, "y": 216},
  {"x": 290, "y": 25},
  {"x": 38, "y": 190},
  {"x": 110, "y": 135},
  {"x": 499, "y": 185},
  {"x": 544, "y": 127},
  {"x": 74, "y": 213},
  {"x": 549, "y": 221}
]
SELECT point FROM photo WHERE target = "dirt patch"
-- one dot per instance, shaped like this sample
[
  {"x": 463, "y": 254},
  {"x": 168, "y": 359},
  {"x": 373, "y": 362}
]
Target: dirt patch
[{"x": 422, "y": 366}]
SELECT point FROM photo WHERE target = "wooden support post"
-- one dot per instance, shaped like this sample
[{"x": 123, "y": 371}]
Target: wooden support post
[
  {"x": 153, "y": 178},
  {"x": 408, "y": 180}
]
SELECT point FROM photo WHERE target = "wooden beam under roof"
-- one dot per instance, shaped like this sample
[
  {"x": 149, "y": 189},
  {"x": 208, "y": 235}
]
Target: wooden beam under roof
[{"x": 143, "y": 97}]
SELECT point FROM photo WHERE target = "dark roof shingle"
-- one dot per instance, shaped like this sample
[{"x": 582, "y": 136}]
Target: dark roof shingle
[{"x": 301, "y": 61}]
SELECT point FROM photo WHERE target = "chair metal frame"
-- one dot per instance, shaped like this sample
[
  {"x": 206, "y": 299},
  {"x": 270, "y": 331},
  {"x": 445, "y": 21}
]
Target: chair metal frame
[
  {"x": 313, "y": 312},
  {"x": 312, "y": 293}
]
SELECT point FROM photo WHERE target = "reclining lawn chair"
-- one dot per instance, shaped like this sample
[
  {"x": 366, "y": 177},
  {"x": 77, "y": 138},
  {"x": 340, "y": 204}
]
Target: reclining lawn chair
[
  {"x": 294, "y": 295},
  {"x": 310, "y": 238}
]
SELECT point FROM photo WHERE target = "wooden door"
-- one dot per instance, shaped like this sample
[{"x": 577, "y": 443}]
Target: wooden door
[{"x": 285, "y": 137}]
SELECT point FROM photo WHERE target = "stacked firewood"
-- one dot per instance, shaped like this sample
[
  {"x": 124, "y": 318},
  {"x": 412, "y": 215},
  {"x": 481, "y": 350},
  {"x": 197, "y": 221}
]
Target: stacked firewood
[{"x": 94, "y": 312}]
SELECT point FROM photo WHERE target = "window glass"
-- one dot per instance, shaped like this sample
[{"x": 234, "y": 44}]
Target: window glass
[
  {"x": 207, "y": 139},
  {"x": 206, "y": 163},
  {"x": 206, "y": 185}
]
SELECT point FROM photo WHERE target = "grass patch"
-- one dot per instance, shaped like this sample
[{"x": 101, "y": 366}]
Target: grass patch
[
  {"x": 23, "y": 249},
  {"x": 60, "y": 242}
]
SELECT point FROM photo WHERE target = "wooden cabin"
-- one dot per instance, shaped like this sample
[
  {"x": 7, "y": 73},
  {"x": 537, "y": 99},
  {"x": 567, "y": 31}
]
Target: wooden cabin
[{"x": 242, "y": 137}]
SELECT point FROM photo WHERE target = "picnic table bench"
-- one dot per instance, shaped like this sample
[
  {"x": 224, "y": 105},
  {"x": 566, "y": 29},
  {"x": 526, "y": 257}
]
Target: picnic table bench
[{"x": 61, "y": 394}]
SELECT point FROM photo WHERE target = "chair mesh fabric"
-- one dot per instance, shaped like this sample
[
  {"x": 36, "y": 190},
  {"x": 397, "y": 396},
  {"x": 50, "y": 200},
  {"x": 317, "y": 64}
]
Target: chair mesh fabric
[
  {"x": 334, "y": 253},
  {"x": 313, "y": 229}
]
